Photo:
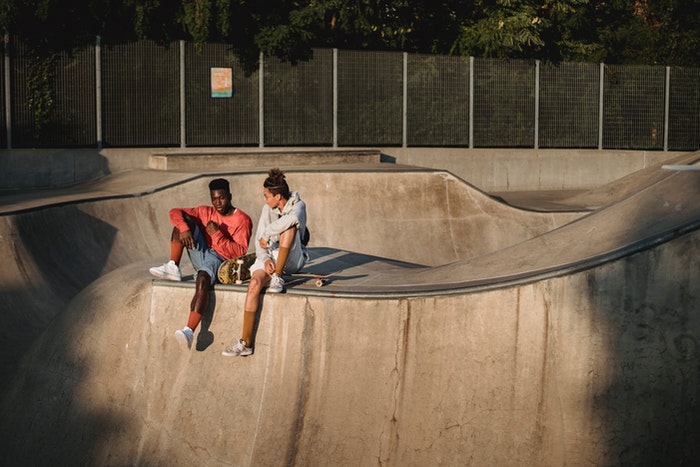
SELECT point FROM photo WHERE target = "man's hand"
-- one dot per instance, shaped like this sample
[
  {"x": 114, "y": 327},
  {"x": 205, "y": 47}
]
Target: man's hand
[
  {"x": 263, "y": 243},
  {"x": 187, "y": 239},
  {"x": 269, "y": 266},
  {"x": 212, "y": 227}
]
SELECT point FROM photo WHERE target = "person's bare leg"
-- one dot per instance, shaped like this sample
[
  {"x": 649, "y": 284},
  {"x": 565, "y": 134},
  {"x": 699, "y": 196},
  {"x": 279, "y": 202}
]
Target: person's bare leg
[
  {"x": 176, "y": 246},
  {"x": 286, "y": 241},
  {"x": 258, "y": 281},
  {"x": 200, "y": 301}
]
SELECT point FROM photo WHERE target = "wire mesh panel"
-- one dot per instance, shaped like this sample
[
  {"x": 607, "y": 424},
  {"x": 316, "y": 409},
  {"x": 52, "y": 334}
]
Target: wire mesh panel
[
  {"x": 299, "y": 101},
  {"x": 141, "y": 94},
  {"x": 633, "y": 107},
  {"x": 370, "y": 98},
  {"x": 684, "y": 111},
  {"x": 438, "y": 100},
  {"x": 569, "y": 105},
  {"x": 504, "y": 103},
  {"x": 3, "y": 108},
  {"x": 219, "y": 121},
  {"x": 53, "y": 98}
]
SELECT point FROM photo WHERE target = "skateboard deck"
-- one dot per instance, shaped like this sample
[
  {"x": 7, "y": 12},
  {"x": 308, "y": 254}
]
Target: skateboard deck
[
  {"x": 236, "y": 270},
  {"x": 319, "y": 279}
]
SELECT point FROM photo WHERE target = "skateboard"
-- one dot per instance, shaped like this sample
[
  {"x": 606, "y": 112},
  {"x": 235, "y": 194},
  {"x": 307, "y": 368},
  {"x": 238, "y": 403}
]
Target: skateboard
[
  {"x": 236, "y": 270},
  {"x": 319, "y": 279}
]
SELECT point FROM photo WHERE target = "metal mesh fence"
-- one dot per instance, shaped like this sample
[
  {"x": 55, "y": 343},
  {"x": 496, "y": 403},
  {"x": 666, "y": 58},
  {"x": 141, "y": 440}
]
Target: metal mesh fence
[
  {"x": 684, "y": 109},
  {"x": 53, "y": 98},
  {"x": 370, "y": 98},
  {"x": 633, "y": 109},
  {"x": 141, "y": 97},
  {"x": 437, "y": 101},
  {"x": 569, "y": 102},
  {"x": 504, "y": 103},
  {"x": 3, "y": 105},
  {"x": 299, "y": 101},
  {"x": 343, "y": 98},
  {"x": 219, "y": 121}
]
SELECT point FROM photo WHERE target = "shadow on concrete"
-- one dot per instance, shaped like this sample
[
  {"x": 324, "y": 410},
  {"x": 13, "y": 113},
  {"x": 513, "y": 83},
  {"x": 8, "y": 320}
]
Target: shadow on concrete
[
  {"x": 205, "y": 336},
  {"x": 50, "y": 272},
  {"x": 649, "y": 405}
]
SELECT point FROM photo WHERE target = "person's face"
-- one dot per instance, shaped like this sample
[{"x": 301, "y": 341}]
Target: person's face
[
  {"x": 221, "y": 200},
  {"x": 271, "y": 200}
]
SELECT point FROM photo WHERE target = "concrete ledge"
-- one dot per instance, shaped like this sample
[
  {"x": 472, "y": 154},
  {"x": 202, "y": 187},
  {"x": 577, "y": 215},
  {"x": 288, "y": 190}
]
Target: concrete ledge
[
  {"x": 28, "y": 169},
  {"x": 493, "y": 169},
  {"x": 223, "y": 161},
  {"x": 510, "y": 169}
]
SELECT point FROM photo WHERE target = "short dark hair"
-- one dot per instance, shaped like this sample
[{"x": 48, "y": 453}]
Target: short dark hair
[{"x": 219, "y": 184}]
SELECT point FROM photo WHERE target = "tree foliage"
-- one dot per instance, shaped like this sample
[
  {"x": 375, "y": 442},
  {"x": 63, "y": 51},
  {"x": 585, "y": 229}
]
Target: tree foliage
[{"x": 615, "y": 31}]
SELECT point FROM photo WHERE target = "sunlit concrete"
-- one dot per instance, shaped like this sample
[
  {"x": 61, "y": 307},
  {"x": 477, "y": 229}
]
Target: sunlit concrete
[{"x": 457, "y": 331}]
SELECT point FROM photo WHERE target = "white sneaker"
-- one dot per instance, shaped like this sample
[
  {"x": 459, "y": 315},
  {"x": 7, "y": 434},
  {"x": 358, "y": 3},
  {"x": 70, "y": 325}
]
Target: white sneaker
[
  {"x": 185, "y": 337},
  {"x": 239, "y": 349},
  {"x": 276, "y": 284},
  {"x": 169, "y": 271}
]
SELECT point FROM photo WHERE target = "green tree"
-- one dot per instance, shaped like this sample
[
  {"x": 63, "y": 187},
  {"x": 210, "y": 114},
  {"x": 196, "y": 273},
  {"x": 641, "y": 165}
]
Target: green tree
[
  {"x": 676, "y": 31},
  {"x": 616, "y": 31}
]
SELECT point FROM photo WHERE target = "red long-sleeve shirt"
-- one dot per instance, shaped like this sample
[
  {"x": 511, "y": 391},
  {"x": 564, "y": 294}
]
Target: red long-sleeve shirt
[{"x": 233, "y": 236}]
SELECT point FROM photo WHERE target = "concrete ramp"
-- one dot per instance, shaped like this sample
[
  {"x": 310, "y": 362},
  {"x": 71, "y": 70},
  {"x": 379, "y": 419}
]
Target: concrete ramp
[
  {"x": 58, "y": 242},
  {"x": 564, "y": 343}
]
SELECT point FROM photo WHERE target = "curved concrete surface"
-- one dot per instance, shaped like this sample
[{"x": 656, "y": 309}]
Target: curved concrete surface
[
  {"x": 58, "y": 245},
  {"x": 533, "y": 339}
]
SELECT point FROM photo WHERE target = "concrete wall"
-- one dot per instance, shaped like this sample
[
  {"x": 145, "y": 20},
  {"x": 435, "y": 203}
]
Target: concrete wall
[
  {"x": 432, "y": 218},
  {"x": 489, "y": 169},
  {"x": 497, "y": 170},
  {"x": 594, "y": 368}
]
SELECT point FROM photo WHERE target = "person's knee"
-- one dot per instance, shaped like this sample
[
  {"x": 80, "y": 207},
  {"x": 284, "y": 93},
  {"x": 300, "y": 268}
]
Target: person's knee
[
  {"x": 256, "y": 283},
  {"x": 175, "y": 236},
  {"x": 203, "y": 279}
]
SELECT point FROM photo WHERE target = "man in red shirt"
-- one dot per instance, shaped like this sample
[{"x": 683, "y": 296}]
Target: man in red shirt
[{"x": 211, "y": 235}]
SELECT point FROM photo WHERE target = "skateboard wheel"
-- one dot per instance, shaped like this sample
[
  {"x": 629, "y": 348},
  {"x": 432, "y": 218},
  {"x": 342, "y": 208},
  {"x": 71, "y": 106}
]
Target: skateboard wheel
[{"x": 319, "y": 282}]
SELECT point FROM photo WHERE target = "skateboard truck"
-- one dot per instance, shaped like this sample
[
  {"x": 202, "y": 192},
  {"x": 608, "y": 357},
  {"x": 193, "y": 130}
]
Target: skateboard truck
[{"x": 239, "y": 269}]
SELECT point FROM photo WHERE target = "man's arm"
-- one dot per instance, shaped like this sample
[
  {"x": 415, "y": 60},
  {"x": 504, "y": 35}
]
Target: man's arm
[
  {"x": 288, "y": 220},
  {"x": 182, "y": 218},
  {"x": 234, "y": 242},
  {"x": 178, "y": 217}
]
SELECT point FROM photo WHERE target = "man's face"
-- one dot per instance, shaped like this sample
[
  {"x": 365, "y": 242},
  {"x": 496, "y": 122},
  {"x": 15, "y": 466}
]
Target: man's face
[
  {"x": 271, "y": 200},
  {"x": 221, "y": 200}
]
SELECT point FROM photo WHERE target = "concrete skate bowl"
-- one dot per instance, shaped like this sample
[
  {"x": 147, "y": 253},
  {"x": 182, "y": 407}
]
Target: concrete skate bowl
[{"x": 557, "y": 340}]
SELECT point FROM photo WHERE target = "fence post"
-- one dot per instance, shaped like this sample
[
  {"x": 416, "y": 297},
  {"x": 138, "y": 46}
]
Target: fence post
[
  {"x": 600, "y": 106},
  {"x": 537, "y": 104},
  {"x": 8, "y": 93},
  {"x": 98, "y": 91},
  {"x": 471, "y": 102},
  {"x": 667, "y": 106},
  {"x": 261, "y": 103},
  {"x": 404, "y": 137},
  {"x": 335, "y": 98},
  {"x": 183, "y": 114}
]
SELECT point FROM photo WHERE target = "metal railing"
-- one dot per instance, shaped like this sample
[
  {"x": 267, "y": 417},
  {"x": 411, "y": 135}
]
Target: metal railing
[{"x": 145, "y": 94}]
